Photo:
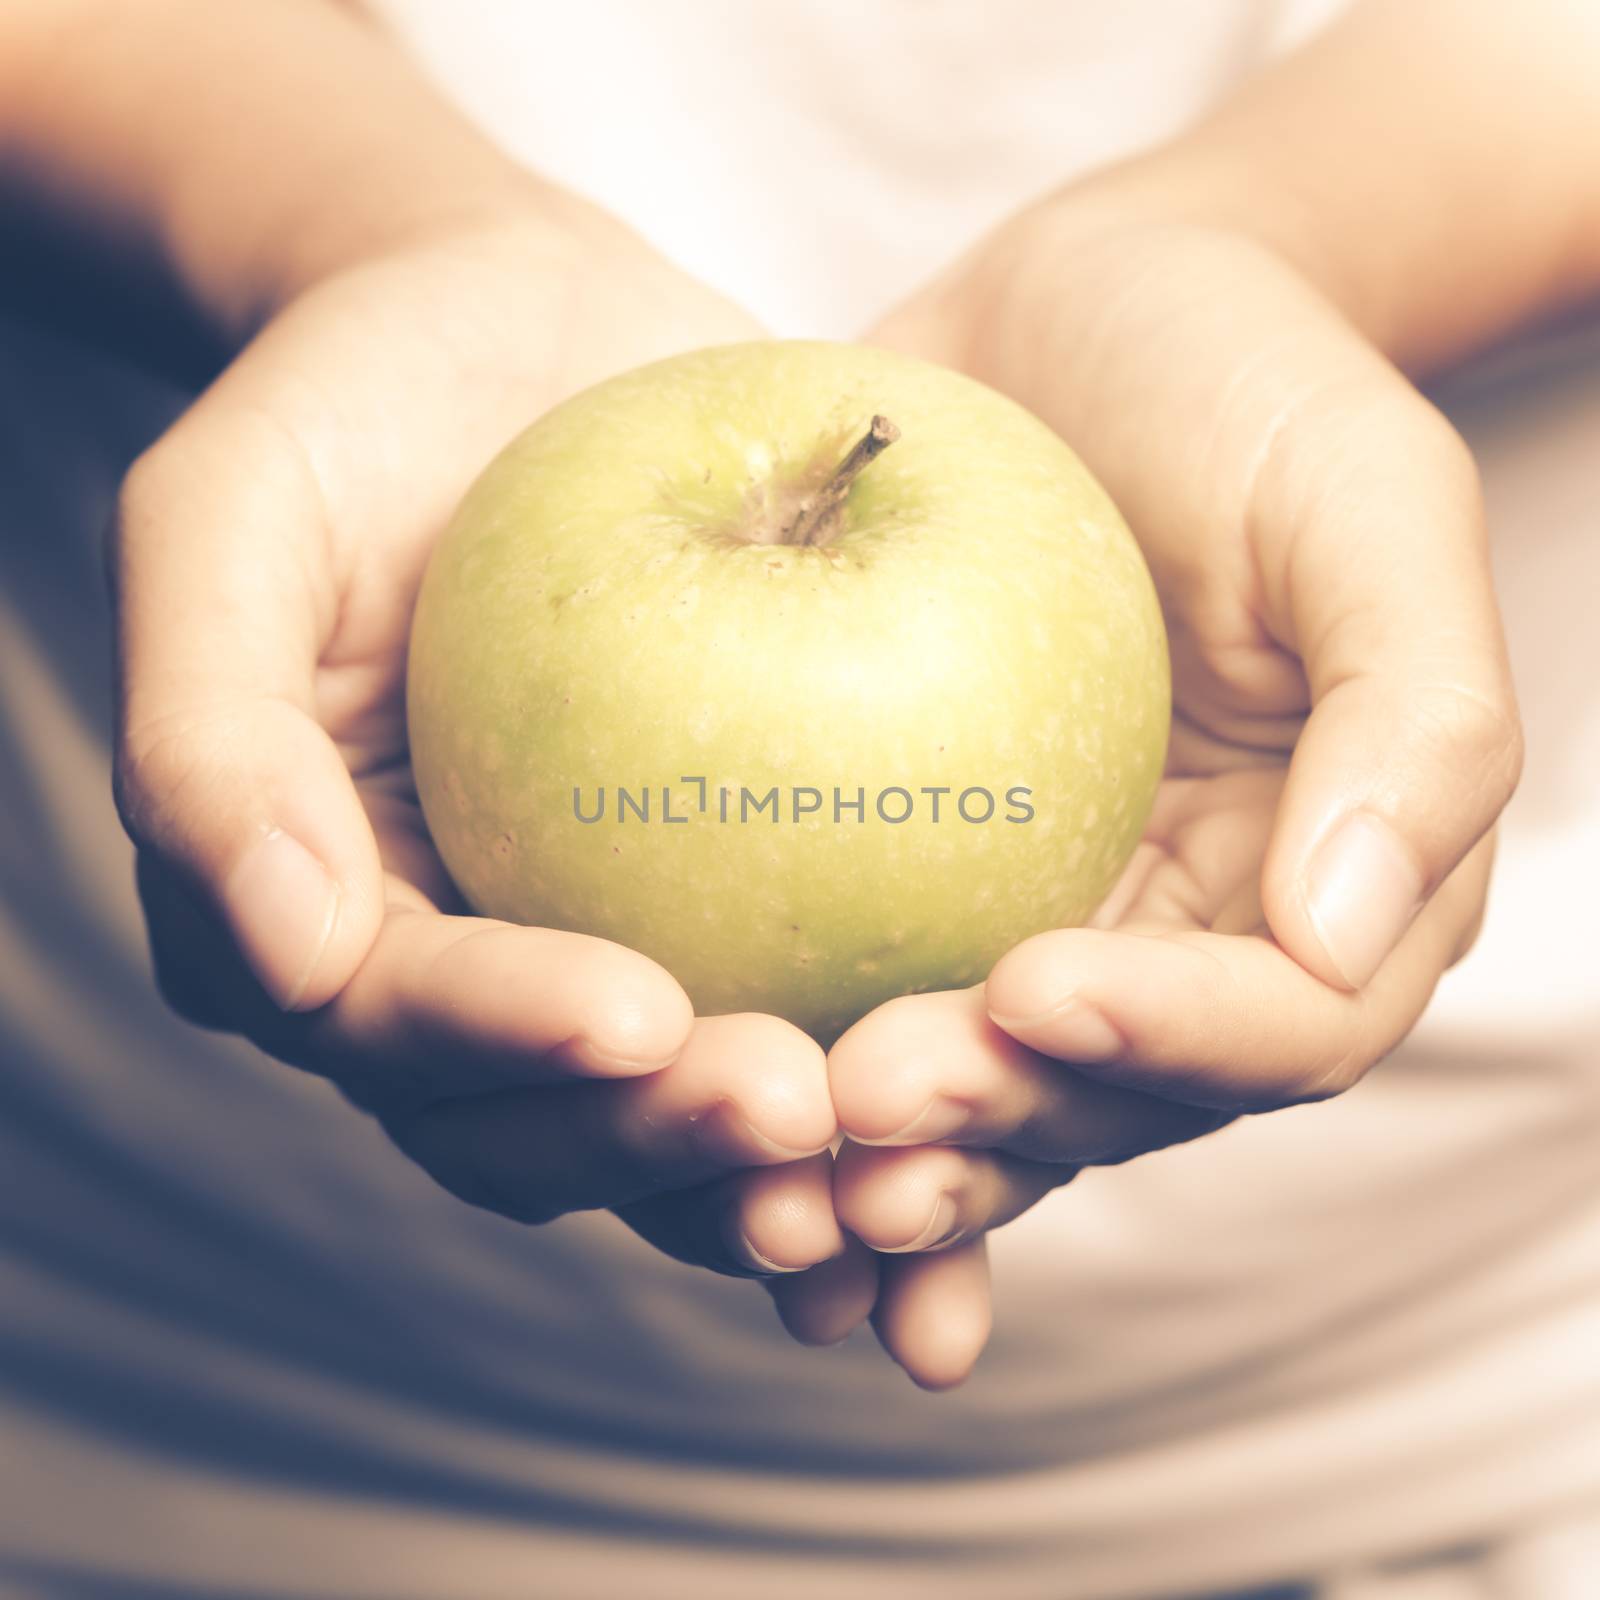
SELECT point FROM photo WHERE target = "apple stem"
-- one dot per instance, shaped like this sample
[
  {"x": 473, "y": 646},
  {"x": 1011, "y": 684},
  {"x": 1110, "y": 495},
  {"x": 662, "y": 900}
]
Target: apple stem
[{"x": 819, "y": 512}]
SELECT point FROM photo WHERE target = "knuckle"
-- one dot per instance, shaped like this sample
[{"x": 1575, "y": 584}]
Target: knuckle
[
  {"x": 158, "y": 769},
  {"x": 1511, "y": 751},
  {"x": 1478, "y": 722},
  {"x": 134, "y": 491},
  {"x": 1490, "y": 729},
  {"x": 143, "y": 490},
  {"x": 1456, "y": 463},
  {"x": 1434, "y": 444},
  {"x": 138, "y": 777},
  {"x": 1325, "y": 1083},
  {"x": 1480, "y": 732},
  {"x": 1340, "y": 1072}
]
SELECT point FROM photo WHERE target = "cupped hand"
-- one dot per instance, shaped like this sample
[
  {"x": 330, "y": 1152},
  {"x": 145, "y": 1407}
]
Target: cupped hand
[
  {"x": 265, "y": 563},
  {"x": 1344, "y": 737}
]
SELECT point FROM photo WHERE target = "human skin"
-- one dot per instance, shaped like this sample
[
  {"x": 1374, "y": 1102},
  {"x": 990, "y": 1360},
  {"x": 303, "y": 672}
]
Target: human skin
[
  {"x": 1344, "y": 730},
  {"x": 267, "y": 556}
]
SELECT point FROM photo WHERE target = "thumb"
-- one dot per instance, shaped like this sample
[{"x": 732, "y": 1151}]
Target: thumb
[
  {"x": 932, "y": 323},
  {"x": 222, "y": 771},
  {"x": 1382, "y": 584}
]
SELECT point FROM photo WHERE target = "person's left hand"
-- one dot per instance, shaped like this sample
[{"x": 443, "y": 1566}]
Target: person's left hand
[{"x": 1344, "y": 736}]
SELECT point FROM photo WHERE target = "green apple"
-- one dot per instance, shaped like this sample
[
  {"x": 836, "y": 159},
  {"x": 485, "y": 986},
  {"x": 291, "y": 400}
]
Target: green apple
[{"x": 818, "y": 674}]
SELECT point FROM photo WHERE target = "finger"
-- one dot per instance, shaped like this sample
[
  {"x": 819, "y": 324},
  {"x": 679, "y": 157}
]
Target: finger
[
  {"x": 222, "y": 770},
  {"x": 450, "y": 1006},
  {"x": 827, "y": 1303},
  {"x": 199, "y": 972},
  {"x": 443, "y": 1006},
  {"x": 757, "y": 1223},
  {"x": 933, "y": 1314},
  {"x": 931, "y": 323},
  {"x": 929, "y": 1197},
  {"x": 1376, "y": 564},
  {"x": 1223, "y": 1020},
  {"x": 935, "y": 1068},
  {"x": 745, "y": 1091}
]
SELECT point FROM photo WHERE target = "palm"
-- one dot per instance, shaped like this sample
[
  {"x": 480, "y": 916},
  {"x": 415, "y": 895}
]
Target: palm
[
  {"x": 389, "y": 440},
  {"x": 1198, "y": 865}
]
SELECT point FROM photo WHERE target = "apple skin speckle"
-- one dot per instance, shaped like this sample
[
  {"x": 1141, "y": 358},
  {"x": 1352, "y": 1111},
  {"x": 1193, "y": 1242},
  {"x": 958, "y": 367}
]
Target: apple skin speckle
[{"x": 980, "y": 616}]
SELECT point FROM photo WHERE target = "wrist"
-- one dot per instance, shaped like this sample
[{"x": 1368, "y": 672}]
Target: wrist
[
  {"x": 1186, "y": 190},
  {"x": 1167, "y": 226},
  {"x": 1122, "y": 260},
  {"x": 254, "y": 276}
]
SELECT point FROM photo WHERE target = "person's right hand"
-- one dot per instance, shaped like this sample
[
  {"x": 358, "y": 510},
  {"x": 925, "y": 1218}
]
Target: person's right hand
[{"x": 265, "y": 563}]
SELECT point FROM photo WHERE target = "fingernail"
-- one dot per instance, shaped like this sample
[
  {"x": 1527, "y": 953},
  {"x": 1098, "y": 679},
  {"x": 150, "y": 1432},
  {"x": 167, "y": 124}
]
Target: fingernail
[
  {"x": 754, "y": 1259},
  {"x": 1362, "y": 891},
  {"x": 771, "y": 1147},
  {"x": 621, "y": 1065},
  {"x": 1073, "y": 1030},
  {"x": 938, "y": 1119},
  {"x": 939, "y": 1227},
  {"x": 282, "y": 906},
  {"x": 726, "y": 1134},
  {"x": 741, "y": 1247}
]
